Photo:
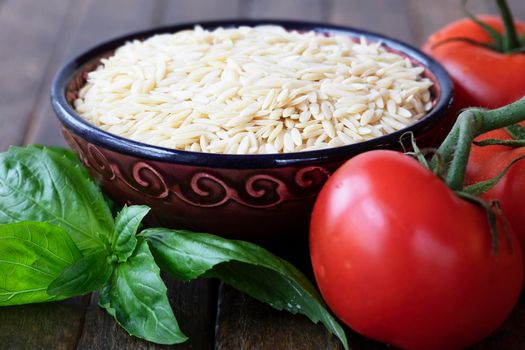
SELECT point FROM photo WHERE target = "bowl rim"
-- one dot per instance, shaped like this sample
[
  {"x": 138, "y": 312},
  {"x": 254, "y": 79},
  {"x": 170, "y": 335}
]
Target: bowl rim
[{"x": 74, "y": 122}]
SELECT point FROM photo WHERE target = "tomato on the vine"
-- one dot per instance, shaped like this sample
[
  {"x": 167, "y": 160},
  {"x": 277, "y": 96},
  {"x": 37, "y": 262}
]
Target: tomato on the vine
[
  {"x": 400, "y": 258},
  {"x": 488, "y": 77},
  {"x": 482, "y": 77}
]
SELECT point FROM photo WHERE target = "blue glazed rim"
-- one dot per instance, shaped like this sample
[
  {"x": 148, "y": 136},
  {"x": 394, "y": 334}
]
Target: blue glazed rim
[{"x": 73, "y": 122}]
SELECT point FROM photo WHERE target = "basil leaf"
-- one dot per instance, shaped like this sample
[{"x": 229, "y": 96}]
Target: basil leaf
[
  {"x": 136, "y": 296},
  {"x": 32, "y": 255},
  {"x": 86, "y": 275},
  {"x": 65, "y": 152},
  {"x": 126, "y": 226},
  {"x": 249, "y": 268},
  {"x": 50, "y": 185}
]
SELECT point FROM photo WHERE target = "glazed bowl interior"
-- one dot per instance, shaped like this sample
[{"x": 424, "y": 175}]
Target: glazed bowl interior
[{"x": 205, "y": 191}]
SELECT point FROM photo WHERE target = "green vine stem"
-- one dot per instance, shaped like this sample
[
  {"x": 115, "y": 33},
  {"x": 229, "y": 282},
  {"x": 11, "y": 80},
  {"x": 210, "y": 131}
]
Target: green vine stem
[
  {"x": 455, "y": 149},
  {"x": 511, "y": 40}
]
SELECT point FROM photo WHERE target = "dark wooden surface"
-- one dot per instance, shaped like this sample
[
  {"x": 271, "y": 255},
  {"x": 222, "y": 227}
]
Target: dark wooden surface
[{"x": 37, "y": 36}]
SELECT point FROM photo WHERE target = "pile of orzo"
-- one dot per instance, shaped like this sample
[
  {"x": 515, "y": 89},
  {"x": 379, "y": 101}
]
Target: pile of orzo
[{"x": 253, "y": 90}]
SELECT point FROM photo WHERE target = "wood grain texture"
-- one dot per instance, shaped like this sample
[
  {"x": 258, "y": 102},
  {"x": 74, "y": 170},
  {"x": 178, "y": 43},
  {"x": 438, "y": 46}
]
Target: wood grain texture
[
  {"x": 388, "y": 17},
  {"x": 179, "y": 11},
  {"x": 304, "y": 10},
  {"x": 26, "y": 50},
  {"x": 429, "y": 16},
  {"x": 244, "y": 323},
  {"x": 42, "y": 326},
  {"x": 193, "y": 304}
]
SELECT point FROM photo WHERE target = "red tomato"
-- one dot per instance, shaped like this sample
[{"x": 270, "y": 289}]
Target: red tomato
[
  {"x": 482, "y": 77},
  {"x": 487, "y": 162},
  {"x": 401, "y": 259},
  {"x": 485, "y": 78}
]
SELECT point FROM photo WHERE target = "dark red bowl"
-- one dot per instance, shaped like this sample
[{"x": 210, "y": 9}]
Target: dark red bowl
[{"x": 243, "y": 196}]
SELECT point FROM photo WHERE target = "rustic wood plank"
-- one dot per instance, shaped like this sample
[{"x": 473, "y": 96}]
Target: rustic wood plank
[
  {"x": 194, "y": 306},
  {"x": 25, "y": 59},
  {"x": 42, "y": 326},
  {"x": 428, "y": 16},
  {"x": 388, "y": 17},
  {"x": 307, "y": 10},
  {"x": 244, "y": 323},
  {"x": 197, "y": 10}
]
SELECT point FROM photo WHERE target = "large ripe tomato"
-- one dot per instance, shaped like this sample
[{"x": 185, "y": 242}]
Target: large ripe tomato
[
  {"x": 482, "y": 78},
  {"x": 403, "y": 260}
]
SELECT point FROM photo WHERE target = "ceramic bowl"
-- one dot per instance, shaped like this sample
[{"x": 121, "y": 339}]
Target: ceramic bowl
[{"x": 242, "y": 196}]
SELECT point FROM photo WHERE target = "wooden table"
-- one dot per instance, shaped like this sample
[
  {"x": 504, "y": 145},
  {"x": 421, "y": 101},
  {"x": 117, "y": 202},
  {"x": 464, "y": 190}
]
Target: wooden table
[{"x": 36, "y": 36}]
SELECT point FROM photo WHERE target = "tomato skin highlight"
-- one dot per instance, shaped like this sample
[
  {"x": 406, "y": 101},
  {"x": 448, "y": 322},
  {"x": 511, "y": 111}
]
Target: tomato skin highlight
[
  {"x": 482, "y": 77},
  {"x": 401, "y": 259}
]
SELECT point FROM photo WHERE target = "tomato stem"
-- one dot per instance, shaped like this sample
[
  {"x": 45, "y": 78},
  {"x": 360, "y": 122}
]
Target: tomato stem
[
  {"x": 489, "y": 46},
  {"x": 497, "y": 39},
  {"x": 491, "y": 216},
  {"x": 450, "y": 160},
  {"x": 510, "y": 42},
  {"x": 455, "y": 149},
  {"x": 510, "y": 38},
  {"x": 496, "y": 204},
  {"x": 481, "y": 187},
  {"x": 516, "y": 131},
  {"x": 507, "y": 143},
  {"x": 502, "y": 117}
]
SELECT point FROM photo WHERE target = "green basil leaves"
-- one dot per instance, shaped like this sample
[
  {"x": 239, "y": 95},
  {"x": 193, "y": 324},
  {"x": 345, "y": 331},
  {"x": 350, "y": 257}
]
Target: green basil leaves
[
  {"x": 32, "y": 255},
  {"x": 245, "y": 266},
  {"x": 86, "y": 275},
  {"x": 127, "y": 224},
  {"x": 136, "y": 296},
  {"x": 58, "y": 239},
  {"x": 49, "y": 185}
]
